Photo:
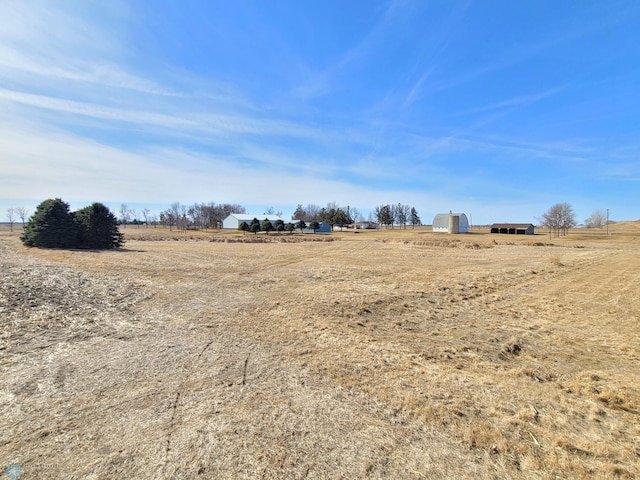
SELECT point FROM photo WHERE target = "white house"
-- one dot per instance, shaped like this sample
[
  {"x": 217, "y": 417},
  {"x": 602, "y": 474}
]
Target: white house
[
  {"x": 450, "y": 223},
  {"x": 234, "y": 220}
]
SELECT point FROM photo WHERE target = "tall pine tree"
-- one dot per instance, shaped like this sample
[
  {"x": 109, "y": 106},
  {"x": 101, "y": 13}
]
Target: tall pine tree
[
  {"x": 98, "y": 227},
  {"x": 51, "y": 226},
  {"x": 414, "y": 218}
]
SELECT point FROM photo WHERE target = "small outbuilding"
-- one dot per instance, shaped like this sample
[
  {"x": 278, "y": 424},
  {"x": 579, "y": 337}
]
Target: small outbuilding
[
  {"x": 324, "y": 228},
  {"x": 450, "y": 223},
  {"x": 513, "y": 228},
  {"x": 234, "y": 220},
  {"x": 365, "y": 226}
]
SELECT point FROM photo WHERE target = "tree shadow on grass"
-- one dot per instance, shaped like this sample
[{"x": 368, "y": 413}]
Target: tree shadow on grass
[{"x": 99, "y": 250}]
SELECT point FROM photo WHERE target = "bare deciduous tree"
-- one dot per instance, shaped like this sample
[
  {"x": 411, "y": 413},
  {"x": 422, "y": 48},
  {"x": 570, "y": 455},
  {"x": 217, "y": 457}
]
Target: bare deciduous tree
[
  {"x": 167, "y": 218},
  {"x": 183, "y": 221},
  {"x": 23, "y": 213},
  {"x": 597, "y": 219},
  {"x": 401, "y": 214},
  {"x": 312, "y": 211},
  {"x": 135, "y": 216},
  {"x": 214, "y": 214},
  {"x": 559, "y": 219},
  {"x": 196, "y": 214},
  {"x": 124, "y": 214},
  {"x": 11, "y": 216},
  {"x": 145, "y": 215},
  {"x": 355, "y": 215},
  {"x": 272, "y": 211},
  {"x": 300, "y": 213}
]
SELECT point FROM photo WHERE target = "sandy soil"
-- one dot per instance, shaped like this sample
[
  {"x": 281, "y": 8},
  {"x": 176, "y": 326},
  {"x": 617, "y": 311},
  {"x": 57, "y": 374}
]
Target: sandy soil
[{"x": 382, "y": 355}]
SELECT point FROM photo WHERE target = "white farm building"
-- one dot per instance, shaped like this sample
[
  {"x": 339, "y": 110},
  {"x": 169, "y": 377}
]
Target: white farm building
[
  {"x": 450, "y": 223},
  {"x": 234, "y": 220}
]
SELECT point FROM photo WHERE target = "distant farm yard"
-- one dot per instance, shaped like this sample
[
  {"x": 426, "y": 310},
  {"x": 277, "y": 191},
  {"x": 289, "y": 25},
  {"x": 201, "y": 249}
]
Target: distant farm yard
[{"x": 382, "y": 354}]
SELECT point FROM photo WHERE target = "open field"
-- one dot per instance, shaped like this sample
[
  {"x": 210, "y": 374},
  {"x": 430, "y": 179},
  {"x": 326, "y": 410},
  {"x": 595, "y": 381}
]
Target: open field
[{"x": 391, "y": 354}]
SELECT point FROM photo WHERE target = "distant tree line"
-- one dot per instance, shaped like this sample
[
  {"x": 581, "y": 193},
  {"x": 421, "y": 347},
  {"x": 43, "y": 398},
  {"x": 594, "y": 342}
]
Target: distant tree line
[
  {"x": 204, "y": 216},
  {"x": 199, "y": 216},
  {"x": 333, "y": 214},
  {"x": 386, "y": 216},
  {"x": 400, "y": 215},
  {"x": 53, "y": 225}
]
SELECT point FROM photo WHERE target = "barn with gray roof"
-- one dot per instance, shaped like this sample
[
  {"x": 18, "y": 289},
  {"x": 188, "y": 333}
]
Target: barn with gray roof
[{"x": 450, "y": 223}]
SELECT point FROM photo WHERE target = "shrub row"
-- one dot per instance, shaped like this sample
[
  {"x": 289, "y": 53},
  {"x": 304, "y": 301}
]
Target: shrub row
[{"x": 53, "y": 225}]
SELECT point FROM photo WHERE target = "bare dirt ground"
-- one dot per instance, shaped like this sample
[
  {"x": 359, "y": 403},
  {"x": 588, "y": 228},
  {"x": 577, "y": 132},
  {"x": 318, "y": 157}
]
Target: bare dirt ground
[{"x": 374, "y": 355}]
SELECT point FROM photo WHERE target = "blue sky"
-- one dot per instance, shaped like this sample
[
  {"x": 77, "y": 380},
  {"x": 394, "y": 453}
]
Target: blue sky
[{"x": 497, "y": 109}]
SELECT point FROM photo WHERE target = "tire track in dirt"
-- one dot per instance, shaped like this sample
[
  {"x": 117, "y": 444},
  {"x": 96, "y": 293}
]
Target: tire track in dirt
[
  {"x": 601, "y": 298},
  {"x": 174, "y": 405}
]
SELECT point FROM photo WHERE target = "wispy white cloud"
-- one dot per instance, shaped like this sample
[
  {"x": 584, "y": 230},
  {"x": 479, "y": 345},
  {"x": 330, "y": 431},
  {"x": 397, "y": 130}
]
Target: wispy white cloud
[
  {"x": 19, "y": 64},
  {"x": 59, "y": 164},
  {"x": 64, "y": 42},
  {"x": 84, "y": 115},
  {"x": 357, "y": 56},
  {"x": 414, "y": 93},
  {"x": 519, "y": 101},
  {"x": 174, "y": 121},
  {"x": 513, "y": 147}
]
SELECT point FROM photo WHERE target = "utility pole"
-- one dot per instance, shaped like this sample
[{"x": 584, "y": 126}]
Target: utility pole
[{"x": 607, "y": 222}]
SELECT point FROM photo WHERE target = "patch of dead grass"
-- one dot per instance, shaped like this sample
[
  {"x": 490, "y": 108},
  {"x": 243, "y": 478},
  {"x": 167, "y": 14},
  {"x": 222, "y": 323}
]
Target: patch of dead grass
[{"x": 344, "y": 359}]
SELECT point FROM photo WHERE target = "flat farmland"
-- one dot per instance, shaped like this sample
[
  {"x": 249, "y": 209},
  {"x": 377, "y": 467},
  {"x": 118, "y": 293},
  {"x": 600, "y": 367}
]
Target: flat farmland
[{"x": 393, "y": 354}]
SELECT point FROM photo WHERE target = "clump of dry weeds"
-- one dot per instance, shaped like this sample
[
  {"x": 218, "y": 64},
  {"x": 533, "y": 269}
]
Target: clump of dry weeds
[
  {"x": 229, "y": 238},
  {"x": 555, "y": 260},
  {"x": 437, "y": 243}
]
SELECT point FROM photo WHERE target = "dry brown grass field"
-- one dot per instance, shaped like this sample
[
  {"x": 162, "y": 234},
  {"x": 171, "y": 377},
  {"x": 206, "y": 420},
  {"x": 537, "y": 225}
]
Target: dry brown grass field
[{"x": 392, "y": 354}]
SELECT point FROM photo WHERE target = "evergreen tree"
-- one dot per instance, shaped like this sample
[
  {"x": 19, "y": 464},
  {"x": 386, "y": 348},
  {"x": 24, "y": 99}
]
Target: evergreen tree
[
  {"x": 244, "y": 227},
  {"x": 331, "y": 216},
  {"x": 267, "y": 226},
  {"x": 384, "y": 215},
  {"x": 278, "y": 225},
  {"x": 314, "y": 226},
  {"x": 301, "y": 225},
  {"x": 300, "y": 213},
  {"x": 98, "y": 227},
  {"x": 341, "y": 218},
  {"x": 290, "y": 227},
  {"x": 324, "y": 216},
  {"x": 414, "y": 218},
  {"x": 51, "y": 226},
  {"x": 255, "y": 226}
]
